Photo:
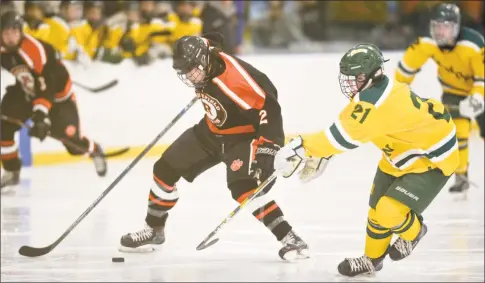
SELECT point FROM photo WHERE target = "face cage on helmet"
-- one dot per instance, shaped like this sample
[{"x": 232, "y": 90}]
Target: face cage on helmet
[
  {"x": 444, "y": 41},
  {"x": 195, "y": 78},
  {"x": 348, "y": 85}
]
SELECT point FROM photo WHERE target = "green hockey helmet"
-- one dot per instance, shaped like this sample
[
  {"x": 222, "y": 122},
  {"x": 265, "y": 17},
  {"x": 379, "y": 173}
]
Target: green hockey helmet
[
  {"x": 359, "y": 67},
  {"x": 444, "y": 26}
]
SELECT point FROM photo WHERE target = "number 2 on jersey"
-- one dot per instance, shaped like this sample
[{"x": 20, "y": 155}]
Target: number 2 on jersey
[
  {"x": 418, "y": 101},
  {"x": 262, "y": 115},
  {"x": 358, "y": 110}
]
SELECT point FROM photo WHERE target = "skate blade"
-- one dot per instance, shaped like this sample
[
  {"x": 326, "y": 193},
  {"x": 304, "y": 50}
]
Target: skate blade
[
  {"x": 140, "y": 250},
  {"x": 295, "y": 256}
]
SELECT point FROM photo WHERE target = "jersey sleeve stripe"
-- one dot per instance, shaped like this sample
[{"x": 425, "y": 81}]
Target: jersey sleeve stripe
[
  {"x": 479, "y": 83},
  {"x": 231, "y": 94},
  {"x": 26, "y": 58},
  {"x": 445, "y": 85},
  {"x": 345, "y": 135},
  {"x": 33, "y": 49},
  {"x": 245, "y": 75},
  {"x": 436, "y": 153},
  {"x": 337, "y": 139},
  {"x": 406, "y": 69}
]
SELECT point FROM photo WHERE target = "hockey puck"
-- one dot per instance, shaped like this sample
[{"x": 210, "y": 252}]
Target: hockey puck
[{"x": 118, "y": 259}]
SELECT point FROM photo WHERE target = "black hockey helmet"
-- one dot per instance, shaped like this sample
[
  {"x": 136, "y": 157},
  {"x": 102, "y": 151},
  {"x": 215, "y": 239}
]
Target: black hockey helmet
[
  {"x": 191, "y": 60},
  {"x": 445, "y": 22},
  {"x": 11, "y": 20}
]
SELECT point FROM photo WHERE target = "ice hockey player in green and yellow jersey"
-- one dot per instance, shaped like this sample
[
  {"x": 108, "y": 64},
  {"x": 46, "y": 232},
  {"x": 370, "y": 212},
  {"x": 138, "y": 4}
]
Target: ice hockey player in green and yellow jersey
[
  {"x": 459, "y": 53},
  {"x": 419, "y": 147}
]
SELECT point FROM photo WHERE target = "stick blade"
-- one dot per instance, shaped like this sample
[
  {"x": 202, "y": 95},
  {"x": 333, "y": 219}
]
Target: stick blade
[
  {"x": 204, "y": 245},
  {"x": 34, "y": 252},
  {"x": 107, "y": 86},
  {"x": 117, "y": 152}
]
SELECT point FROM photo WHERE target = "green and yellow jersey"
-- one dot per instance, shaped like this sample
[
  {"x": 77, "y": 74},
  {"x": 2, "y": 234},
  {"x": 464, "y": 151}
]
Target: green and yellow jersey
[
  {"x": 414, "y": 134},
  {"x": 460, "y": 69}
]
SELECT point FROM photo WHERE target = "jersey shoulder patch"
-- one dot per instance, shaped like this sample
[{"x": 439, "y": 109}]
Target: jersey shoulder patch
[{"x": 376, "y": 93}]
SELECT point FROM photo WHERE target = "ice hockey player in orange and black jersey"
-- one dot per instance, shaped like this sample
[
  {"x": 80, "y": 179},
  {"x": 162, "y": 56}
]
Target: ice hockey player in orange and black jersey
[
  {"x": 242, "y": 128},
  {"x": 42, "y": 92}
]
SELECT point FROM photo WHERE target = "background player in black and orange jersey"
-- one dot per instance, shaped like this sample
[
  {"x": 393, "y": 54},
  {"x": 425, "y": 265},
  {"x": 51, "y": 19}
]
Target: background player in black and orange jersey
[
  {"x": 242, "y": 128},
  {"x": 42, "y": 92}
]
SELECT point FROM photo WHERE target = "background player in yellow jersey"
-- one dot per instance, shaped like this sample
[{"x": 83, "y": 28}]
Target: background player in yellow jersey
[
  {"x": 459, "y": 53},
  {"x": 34, "y": 20},
  {"x": 420, "y": 152}
]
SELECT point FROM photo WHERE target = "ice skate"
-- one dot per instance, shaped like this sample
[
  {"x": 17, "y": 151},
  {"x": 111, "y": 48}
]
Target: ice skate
[
  {"x": 145, "y": 240},
  {"x": 99, "y": 160},
  {"x": 294, "y": 248},
  {"x": 403, "y": 248},
  {"x": 9, "y": 180},
  {"x": 461, "y": 184},
  {"x": 360, "y": 265}
]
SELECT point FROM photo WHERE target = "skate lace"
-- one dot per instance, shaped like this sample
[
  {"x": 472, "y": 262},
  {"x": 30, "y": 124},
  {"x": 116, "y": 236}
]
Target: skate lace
[
  {"x": 404, "y": 247},
  {"x": 142, "y": 235},
  {"x": 289, "y": 239},
  {"x": 360, "y": 264}
]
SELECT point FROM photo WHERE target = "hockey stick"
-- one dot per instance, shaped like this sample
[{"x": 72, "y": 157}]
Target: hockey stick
[
  {"x": 68, "y": 142},
  {"x": 207, "y": 242},
  {"x": 97, "y": 89},
  {"x": 34, "y": 252}
]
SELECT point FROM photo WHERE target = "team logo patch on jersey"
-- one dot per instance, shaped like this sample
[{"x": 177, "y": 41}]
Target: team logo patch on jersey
[
  {"x": 236, "y": 165},
  {"x": 24, "y": 76},
  {"x": 213, "y": 109}
]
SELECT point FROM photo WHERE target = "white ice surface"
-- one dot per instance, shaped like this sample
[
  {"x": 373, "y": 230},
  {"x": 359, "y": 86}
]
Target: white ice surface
[{"x": 329, "y": 213}]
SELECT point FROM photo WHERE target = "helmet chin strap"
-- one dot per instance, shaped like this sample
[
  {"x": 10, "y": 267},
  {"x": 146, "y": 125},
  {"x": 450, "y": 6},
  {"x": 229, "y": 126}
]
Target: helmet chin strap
[{"x": 369, "y": 82}]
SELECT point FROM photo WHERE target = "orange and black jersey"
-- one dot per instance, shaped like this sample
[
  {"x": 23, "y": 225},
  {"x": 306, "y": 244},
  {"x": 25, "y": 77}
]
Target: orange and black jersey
[
  {"x": 241, "y": 100},
  {"x": 39, "y": 72}
]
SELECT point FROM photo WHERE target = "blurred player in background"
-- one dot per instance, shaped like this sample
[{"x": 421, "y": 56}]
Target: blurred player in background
[
  {"x": 90, "y": 33},
  {"x": 42, "y": 92},
  {"x": 34, "y": 20},
  {"x": 61, "y": 36},
  {"x": 459, "y": 53},
  {"x": 242, "y": 128},
  {"x": 184, "y": 20},
  {"x": 420, "y": 152}
]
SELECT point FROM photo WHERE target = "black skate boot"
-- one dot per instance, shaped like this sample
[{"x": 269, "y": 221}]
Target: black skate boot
[
  {"x": 402, "y": 248},
  {"x": 99, "y": 160},
  {"x": 294, "y": 248},
  {"x": 461, "y": 184},
  {"x": 144, "y": 241},
  {"x": 9, "y": 180},
  {"x": 360, "y": 265}
]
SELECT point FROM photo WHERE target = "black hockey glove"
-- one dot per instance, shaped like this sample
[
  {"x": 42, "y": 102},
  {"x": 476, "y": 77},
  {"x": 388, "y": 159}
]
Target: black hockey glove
[
  {"x": 263, "y": 155},
  {"x": 41, "y": 127}
]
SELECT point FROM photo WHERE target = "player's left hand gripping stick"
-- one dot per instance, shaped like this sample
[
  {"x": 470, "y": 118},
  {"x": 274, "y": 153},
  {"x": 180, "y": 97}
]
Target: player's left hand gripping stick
[
  {"x": 210, "y": 240},
  {"x": 34, "y": 252}
]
